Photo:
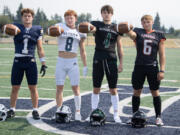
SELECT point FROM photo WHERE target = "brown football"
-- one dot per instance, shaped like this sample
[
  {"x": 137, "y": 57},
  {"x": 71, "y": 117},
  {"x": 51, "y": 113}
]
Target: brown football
[
  {"x": 11, "y": 29},
  {"x": 124, "y": 27},
  {"x": 85, "y": 27},
  {"x": 55, "y": 31}
]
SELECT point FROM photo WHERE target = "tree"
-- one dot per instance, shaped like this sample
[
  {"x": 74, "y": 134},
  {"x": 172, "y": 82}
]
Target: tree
[
  {"x": 4, "y": 20},
  {"x": 57, "y": 18},
  {"x": 7, "y": 12},
  {"x": 171, "y": 30},
  {"x": 84, "y": 18},
  {"x": 18, "y": 13},
  {"x": 163, "y": 28},
  {"x": 41, "y": 19},
  {"x": 157, "y": 25}
]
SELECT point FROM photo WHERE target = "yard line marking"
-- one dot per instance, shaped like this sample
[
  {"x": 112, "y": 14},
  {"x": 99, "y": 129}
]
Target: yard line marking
[{"x": 26, "y": 88}]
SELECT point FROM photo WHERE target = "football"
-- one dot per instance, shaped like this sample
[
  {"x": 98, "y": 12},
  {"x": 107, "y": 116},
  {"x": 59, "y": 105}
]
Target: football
[
  {"x": 123, "y": 27},
  {"x": 55, "y": 31},
  {"x": 85, "y": 27},
  {"x": 11, "y": 29}
]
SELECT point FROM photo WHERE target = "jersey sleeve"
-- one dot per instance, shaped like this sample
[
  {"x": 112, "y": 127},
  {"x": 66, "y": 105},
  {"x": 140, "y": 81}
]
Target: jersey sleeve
[
  {"x": 83, "y": 35},
  {"x": 95, "y": 23},
  {"x": 162, "y": 37},
  {"x": 40, "y": 31}
]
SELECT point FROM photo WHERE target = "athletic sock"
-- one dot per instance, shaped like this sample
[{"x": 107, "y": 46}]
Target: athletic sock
[
  {"x": 77, "y": 101},
  {"x": 135, "y": 103},
  {"x": 12, "y": 108},
  {"x": 58, "y": 108},
  {"x": 35, "y": 109},
  {"x": 157, "y": 105},
  {"x": 94, "y": 101},
  {"x": 115, "y": 103}
]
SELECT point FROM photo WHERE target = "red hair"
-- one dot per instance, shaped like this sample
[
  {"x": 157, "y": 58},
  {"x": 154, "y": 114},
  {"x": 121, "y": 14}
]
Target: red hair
[{"x": 70, "y": 12}]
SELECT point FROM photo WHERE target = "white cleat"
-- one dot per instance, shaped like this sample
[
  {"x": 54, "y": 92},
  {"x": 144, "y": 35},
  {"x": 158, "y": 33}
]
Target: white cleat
[
  {"x": 87, "y": 119},
  {"x": 78, "y": 116},
  {"x": 159, "y": 121},
  {"x": 117, "y": 119}
]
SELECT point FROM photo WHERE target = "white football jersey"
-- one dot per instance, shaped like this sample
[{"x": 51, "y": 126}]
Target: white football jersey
[{"x": 69, "y": 40}]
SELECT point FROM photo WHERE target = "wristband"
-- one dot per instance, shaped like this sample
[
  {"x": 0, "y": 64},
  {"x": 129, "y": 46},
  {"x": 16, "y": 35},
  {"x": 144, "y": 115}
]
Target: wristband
[
  {"x": 42, "y": 59},
  {"x": 162, "y": 71}
]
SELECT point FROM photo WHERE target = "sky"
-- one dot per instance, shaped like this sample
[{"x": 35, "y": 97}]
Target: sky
[{"x": 124, "y": 10}]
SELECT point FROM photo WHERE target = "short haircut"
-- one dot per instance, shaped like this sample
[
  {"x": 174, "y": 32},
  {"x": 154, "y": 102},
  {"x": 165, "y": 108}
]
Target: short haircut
[
  {"x": 70, "y": 12},
  {"x": 107, "y": 8},
  {"x": 27, "y": 10},
  {"x": 147, "y": 17}
]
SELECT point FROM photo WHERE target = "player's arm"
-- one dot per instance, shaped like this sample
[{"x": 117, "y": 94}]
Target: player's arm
[
  {"x": 83, "y": 55},
  {"x": 41, "y": 55},
  {"x": 132, "y": 34},
  {"x": 162, "y": 60},
  {"x": 120, "y": 53}
]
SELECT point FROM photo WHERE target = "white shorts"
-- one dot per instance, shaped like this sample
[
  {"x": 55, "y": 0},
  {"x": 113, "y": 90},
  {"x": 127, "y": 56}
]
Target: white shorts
[{"x": 66, "y": 66}]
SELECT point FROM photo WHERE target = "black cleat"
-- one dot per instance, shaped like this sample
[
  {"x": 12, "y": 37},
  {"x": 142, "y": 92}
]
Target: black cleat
[
  {"x": 35, "y": 115},
  {"x": 10, "y": 114}
]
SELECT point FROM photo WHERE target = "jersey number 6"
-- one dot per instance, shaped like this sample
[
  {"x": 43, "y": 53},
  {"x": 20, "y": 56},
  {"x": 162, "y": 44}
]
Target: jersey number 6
[{"x": 147, "y": 48}]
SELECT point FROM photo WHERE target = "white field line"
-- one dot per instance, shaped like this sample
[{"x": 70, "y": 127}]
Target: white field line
[{"x": 26, "y": 88}]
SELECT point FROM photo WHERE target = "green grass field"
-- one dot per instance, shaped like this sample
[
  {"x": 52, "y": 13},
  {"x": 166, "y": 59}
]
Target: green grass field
[{"x": 47, "y": 87}]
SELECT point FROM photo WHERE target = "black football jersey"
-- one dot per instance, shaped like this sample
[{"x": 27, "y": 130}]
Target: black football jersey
[
  {"x": 147, "y": 45},
  {"x": 105, "y": 39}
]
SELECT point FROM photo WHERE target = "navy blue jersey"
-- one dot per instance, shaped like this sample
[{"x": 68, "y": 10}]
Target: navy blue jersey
[
  {"x": 26, "y": 41},
  {"x": 147, "y": 45},
  {"x": 105, "y": 39}
]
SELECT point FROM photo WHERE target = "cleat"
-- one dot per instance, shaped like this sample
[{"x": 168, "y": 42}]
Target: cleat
[
  {"x": 159, "y": 121},
  {"x": 35, "y": 115},
  {"x": 117, "y": 119},
  {"x": 129, "y": 122},
  {"x": 78, "y": 116},
  {"x": 10, "y": 114}
]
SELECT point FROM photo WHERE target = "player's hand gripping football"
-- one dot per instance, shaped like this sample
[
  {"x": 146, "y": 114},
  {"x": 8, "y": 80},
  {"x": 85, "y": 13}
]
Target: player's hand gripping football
[
  {"x": 85, "y": 71},
  {"x": 43, "y": 70}
]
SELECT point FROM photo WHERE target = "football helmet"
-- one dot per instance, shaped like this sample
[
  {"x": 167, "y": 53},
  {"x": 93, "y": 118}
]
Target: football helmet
[
  {"x": 97, "y": 118},
  {"x": 3, "y": 112},
  {"x": 63, "y": 115},
  {"x": 139, "y": 119}
]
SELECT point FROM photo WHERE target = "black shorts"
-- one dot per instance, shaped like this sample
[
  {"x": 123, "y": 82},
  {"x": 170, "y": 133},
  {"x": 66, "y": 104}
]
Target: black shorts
[
  {"x": 21, "y": 65},
  {"x": 110, "y": 68},
  {"x": 141, "y": 72}
]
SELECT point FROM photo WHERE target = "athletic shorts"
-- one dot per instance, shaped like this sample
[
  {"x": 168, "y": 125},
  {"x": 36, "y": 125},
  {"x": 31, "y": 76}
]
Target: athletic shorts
[
  {"x": 110, "y": 69},
  {"x": 140, "y": 73},
  {"x": 67, "y": 67},
  {"x": 23, "y": 65}
]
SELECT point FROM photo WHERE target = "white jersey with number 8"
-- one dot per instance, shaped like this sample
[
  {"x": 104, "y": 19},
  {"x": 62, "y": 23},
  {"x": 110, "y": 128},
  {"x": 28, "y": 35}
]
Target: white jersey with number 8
[{"x": 69, "y": 40}]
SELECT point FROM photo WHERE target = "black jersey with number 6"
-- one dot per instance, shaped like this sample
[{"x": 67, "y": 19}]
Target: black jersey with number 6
[
  {"x": 105, "y": 39},
  {"x": 147, "y": 45}
]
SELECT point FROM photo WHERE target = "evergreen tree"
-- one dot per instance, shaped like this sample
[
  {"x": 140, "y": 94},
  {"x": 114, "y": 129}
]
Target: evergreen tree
[
  {"x": 7, "y": 12},
  {"x": 171, "y": 30},
  {"x": 157, "y": 25},
  {"x": 18, "y": 13}
]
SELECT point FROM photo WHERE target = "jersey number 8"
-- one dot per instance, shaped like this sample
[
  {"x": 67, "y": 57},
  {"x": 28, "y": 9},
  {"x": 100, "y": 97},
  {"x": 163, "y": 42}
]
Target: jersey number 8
[{"x": 69, "y": 42}]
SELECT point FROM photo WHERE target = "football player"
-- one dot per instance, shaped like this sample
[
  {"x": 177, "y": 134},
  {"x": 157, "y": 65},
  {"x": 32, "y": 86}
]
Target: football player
[
  {"x": 25, "y": 62},
  {"x": 105, "y": 59},
  {"x": 67, "y": 63},
  {"x": 149, "y": 43}
]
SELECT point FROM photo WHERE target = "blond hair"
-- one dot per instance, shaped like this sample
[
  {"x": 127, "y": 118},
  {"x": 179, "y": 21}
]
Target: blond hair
[{"x": 147, "y": 17}]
